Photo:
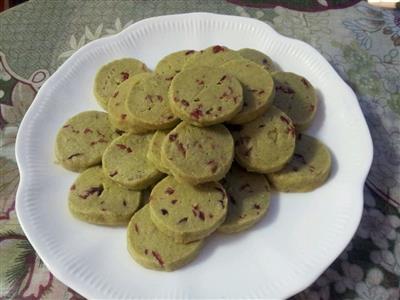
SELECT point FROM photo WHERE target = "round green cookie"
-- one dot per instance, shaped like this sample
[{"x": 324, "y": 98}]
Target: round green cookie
[
  {"x": 153, "y": 249},
  {"x": 118, "y": 115},
  {"x": 205, "y": 96},
  {"x": 258, "y": 89},
  {"x": 81, "y": 141},
  {"x": 111, "y": 75},
  {"x": 258, "y": 57},
  {"x": 173, "y": 63},
  {"x": 154, "y": 152},
  {"x": 296, "y": 97},
  {"x": 266, "y": 144},
  {"x": 125, "y": 162},
  {"x": 185, "y": 212},
  {"x": 249, "y": 197},
  {"x": 213, "y": 56},
  {"x": 308, "y": 169},
  {"x": 96, "y": 199},
  {"x": 196, "y": 155},
  {"x": 147, "y": 103}
]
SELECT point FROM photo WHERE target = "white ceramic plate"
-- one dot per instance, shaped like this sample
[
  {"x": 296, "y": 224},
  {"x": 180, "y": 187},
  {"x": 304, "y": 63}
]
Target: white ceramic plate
[{"x": 286, "y": 252}]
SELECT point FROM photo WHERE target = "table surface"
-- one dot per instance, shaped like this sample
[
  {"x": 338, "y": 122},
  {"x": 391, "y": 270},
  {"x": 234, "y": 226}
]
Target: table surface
[{"x": 362, "y": 43}]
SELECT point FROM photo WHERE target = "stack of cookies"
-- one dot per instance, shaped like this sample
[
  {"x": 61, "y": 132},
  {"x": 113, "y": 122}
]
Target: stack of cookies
[{"x": 161, "y": 159}]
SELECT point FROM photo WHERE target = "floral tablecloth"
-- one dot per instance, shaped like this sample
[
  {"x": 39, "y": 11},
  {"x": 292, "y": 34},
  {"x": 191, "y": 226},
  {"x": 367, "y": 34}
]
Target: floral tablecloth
[{"x": 361, "y": 42}]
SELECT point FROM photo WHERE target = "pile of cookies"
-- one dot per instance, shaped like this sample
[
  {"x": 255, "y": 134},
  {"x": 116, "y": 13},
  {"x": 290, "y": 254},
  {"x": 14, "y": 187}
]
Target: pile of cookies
[{"x": 161, "y": 158}]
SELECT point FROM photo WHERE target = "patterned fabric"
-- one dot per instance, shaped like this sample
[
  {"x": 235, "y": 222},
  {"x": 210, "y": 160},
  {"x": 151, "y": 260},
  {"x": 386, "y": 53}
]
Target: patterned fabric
[{"x": 362, "y": 44}]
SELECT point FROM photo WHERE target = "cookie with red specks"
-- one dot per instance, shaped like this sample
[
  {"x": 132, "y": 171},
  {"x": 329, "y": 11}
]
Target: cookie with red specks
[
  {"x": 111, "y": 75},
  {"x": 81, "y": 141},
  {"x": 296, "y": 97},
  {"x": 266, "y": 144},
  {"x": 249, "y": 196},
  {"x": 94, "y": 198},
  {"x": 147, "y": 103},
  {"x": 258, "y": 57},
  {"x": 308, "y": 169},
  {"x": 185, "y": 212},
  {"x": 118, "y": 115},
  {"x": 173, "y": 63},
  {"x": 125, "y": 162},
  {"x": 153, "y": 249},
  {"x": 198, "y": 154},
  {"x": 204, "y": 96},
  {"x": 154, "y": 152},
  {"x": 258, "y": 89},
  {"x": 213, "y": 56}
]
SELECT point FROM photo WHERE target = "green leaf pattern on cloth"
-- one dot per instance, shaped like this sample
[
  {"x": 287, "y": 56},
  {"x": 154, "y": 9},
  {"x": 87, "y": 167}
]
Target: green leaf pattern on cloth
[{"x": 362, "y": 44}]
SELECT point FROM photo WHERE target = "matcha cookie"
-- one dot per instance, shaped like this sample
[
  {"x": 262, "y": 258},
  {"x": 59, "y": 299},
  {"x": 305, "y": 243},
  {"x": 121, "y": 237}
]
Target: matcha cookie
[
  {"x": 96, "y": 199},
  {"x": 147, "y": 103},
  {"x": 296, "y": 97},
  {"x": 266, "y": 144},
  {"x": 118, "y": 115},
  {"x": 125, "y": 162},
  {"x": 111, "y": 75},
  {"x": 258, "y": 57},
  {"x": 173, "y": 63},
  {"x": 308, "y": 169},
  {"x": 204, "y": 96},
  {"x": 258, "y": 89},
  {"x": 197, "y": 155},
  {"x": 154, "y": 152},
  {"x": 81, "y": 141},
  {"x": 213, "y": 56},
  {"x": 153, "y": 249},
  {"x": 185, "y": 212},
  {"x": 249, "y": 197}
]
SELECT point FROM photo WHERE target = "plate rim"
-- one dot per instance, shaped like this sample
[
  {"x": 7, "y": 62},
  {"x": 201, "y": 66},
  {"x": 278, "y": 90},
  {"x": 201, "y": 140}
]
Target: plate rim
[{"x": 30, "y": 114}]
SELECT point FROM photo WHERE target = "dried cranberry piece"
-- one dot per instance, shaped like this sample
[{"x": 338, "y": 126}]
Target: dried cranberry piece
[
  {"x": 136, "y": 228},
  {"x": 158, "y": 257},
  {"x": 217, "y": 49},
  {"x": 164, "y": 211},
  {"x": 112, "y": 174},
  {"x": 172, "y": 137},
  {"x": 189, "y": 52},
  {"x": 183, "y": 220},
  {"x": 125, "y": 75},
  {"x": 169, "y": 190},
  {"x": 197, "y": 113}
]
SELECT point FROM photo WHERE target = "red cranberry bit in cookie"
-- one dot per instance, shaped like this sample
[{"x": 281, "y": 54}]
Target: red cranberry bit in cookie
[
  {"x": 112, "y": 174},
  {"x": 217, "y": 49},
  {"x": 196, "y": 113},
  {"x": 189, "y": 52},
  {"x": 87, "y": 130},
  {"x": 284, "y": 89},
  {"x": 169, "y": 190},
  {"x": 172, "y": 137},
  {"x": 136, "y": 228},
  {"x": 164, "y": 212},
  {"x": 125, "y": 75},
  {"x": 157, "y": 256},
  {"x": 284, "y": 119},
  {"x": 116, "y": 94},
  {"x": 91, "y": 191}
]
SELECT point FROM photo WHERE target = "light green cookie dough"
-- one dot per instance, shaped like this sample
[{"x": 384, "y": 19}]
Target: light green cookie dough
[
  {"x": 258, "y": 57},
  {"x": 173, "y": 63},
  {"x": 205, "y": 96},
  {"x": 296, "y": 97},
  {"x": 154, "y": 152},
  {"x": 153, "y": 249},
  {"x": 118, "y": 115},
  {"x": 258, "y": 89},
  {"x": 111, "y": 75},
  {"x": 249, "y": 197},
  {"x": 308, "y": 169},
  {"x": 94, "y": 198},
  {"x": 266, "y": 144},
  {"x": 185, "y": 212},
  {"x": 125, "y": 162},
  {"x": 81, "y": 141},
  {"x": 147, "y": 103},
  {"x": 196, "y": 155},
  {"x": 213, "y": 56}
]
